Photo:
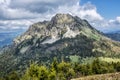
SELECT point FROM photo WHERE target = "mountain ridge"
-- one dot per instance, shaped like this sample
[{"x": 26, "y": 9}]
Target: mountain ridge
[
  {"x": 64, "y": 36},
  {"x": 57, "y": 19}
]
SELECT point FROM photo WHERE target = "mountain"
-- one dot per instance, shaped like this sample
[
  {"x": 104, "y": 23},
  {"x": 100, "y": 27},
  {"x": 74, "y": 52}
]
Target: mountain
[
  {"x": 114, "y": 36},
  {"x": 6, "y": 38},
  {"x": 65, "y": 36}
]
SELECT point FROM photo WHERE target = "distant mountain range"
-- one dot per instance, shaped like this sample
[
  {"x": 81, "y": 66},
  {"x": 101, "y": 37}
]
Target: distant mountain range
[
  {"x": 114, "y": 35},
  {"x": 6, "y": 38},
  {"x": 65, "y": 37}
]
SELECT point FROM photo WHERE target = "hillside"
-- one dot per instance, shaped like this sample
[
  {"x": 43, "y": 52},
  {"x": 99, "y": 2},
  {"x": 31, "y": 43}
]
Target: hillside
[
  {"x": 110, "y": 76},
  {"x": 65, "y": 37}
]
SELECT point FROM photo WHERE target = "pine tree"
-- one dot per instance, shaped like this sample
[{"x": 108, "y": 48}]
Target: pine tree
[
  {"x": 13, "y": 76},
  {"x": 43, "y": 73}
]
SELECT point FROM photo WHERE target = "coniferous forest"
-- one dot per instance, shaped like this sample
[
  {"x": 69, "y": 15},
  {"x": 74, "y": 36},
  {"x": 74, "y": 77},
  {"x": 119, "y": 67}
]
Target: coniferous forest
[{"x": 63, "y": 70}]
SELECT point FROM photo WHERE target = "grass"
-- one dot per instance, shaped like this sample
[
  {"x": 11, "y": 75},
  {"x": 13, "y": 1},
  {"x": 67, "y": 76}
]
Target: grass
[
  {"x": 78, "y": 59},
  {"x": 109, "y": 76},
  {"x": 74, "y": 58},
  {"x": 115, "y": 60}
]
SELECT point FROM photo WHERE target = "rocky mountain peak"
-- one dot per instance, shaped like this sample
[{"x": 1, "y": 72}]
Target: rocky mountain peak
[
  {"x": 59, "y": 27},
  {"x": 62, "y": 18}
]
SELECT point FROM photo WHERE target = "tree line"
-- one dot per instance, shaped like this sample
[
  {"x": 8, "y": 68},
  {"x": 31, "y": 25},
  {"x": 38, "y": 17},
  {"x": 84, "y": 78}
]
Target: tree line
[{"x": 63, "y": 70}]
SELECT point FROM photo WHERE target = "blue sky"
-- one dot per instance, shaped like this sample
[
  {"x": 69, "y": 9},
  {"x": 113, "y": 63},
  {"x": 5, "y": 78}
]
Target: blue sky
[
  {"x": 109, "y": 9},
  {"x": 16, "y": 15}
]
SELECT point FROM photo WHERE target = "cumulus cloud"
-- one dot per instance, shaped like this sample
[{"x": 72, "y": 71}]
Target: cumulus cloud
[
  {"x": 8, "y": 13},
  {"x": 19, "y": 14},
  {"x": 19, "y": 9},
  {"x": 115, "y": 21},
  {"x": 14, "y": 24},
  {"x": 107, "y": 26},
  {"x": 86, "y": 11},
  {"x": 114, "y": 24}
]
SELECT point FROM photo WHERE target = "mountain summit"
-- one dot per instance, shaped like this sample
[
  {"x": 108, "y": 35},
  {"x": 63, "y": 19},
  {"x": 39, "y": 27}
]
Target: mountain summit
[
  {"x": 64, "y": 36},
  {"x": 61, "y": 26}
]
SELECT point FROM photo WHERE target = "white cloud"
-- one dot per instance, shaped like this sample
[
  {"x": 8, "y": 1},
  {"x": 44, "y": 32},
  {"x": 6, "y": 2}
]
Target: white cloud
[
  {"x": 14, "y": 24},
  {"x": 18, "y": 9},
  {"x": 5, "y": 2},
  {"x": 114, "y": 24},
  {"x": 118, "y": 19},
  {"x": 9, "y": 13},
  {"x": 89, "y": 11},
  {"x": 19, "y": 14},
  {"x": 108, "y": 25},
  {"x": 86, "y": 11}
]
